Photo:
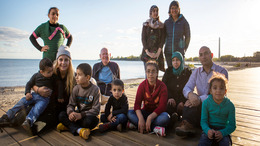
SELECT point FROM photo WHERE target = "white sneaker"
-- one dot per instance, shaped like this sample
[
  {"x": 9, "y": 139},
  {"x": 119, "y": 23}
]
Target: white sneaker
[
  {"x": 130, "y": 125},
  {"x": 159, "y": 131}
]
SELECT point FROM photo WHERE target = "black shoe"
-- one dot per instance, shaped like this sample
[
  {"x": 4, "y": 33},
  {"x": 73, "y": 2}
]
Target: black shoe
[
  {"x": 27, "y": 126},
  {"x": 4, "y": 121},
  {"x": 174, "y": 118}
]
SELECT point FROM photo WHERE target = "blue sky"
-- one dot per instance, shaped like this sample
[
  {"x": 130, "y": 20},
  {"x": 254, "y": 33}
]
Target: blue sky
[{"x": 117, "y": 25}]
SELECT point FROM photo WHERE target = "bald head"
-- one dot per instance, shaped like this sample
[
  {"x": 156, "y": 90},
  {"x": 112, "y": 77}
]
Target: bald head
[
  {"x": 104, "y": 56},
  {"x": 205, "y": 56},
  {"x": 205, "y": 48}
]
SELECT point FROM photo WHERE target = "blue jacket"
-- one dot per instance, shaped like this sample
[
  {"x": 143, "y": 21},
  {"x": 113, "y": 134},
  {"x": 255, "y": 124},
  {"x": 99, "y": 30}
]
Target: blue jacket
[{"x": 177, "y": 35}]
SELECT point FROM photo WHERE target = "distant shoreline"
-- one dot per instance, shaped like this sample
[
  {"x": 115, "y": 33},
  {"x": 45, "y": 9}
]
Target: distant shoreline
[{"x": 230, "y": 66}]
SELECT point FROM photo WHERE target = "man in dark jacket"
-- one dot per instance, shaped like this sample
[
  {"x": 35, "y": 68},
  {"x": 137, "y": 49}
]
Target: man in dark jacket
[{"x": 105, "y": 72}]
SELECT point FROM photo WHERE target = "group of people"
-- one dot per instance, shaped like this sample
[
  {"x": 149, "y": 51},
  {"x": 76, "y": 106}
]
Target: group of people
[{"x": 71, "y": 100}]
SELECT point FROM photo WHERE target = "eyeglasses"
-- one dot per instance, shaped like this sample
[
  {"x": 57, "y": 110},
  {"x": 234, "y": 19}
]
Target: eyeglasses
[{"x": 151, "y": 71}]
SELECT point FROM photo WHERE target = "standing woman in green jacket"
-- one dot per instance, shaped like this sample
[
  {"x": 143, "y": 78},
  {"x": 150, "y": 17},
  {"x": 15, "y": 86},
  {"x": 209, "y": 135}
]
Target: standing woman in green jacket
[
  {"x": 152, "y": 38},
  {"x": 53, "y": 35}
]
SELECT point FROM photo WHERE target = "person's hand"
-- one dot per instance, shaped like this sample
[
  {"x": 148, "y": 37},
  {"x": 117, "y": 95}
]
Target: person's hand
[
  {"x": 211, "y": 133},
  {"x": 156, "y": 56},
  {"x": 45, "y": 48},
  {"x": 171, "y": 102},
  {"x": 148, "y": 124},
  {"x": 113, "y": 119},
  {"x": 188, "y": 103},
  {"x": 77, "y": 116},
  {"x": 109, "y": 117},
  {"x": 149, "y": 53},
  {"x": 194, "y": 99},
  {"x": 72, "y": 116},
  {"x": 141, "y": 125},
  {"x": 61, "y": 100},
  {"x": 180, "y": 107},
  {"x": 28, "y": 96},
  {"x": 218, "y": 135},
  {"x": 44, "y": 91}
]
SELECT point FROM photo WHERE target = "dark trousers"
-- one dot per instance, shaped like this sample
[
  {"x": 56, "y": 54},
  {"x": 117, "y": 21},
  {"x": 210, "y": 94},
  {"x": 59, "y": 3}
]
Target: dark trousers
[
  {"x": 86, "y": 122},
  {"x": 192, "y": 115},
  {"x": 205, "y": 141}
]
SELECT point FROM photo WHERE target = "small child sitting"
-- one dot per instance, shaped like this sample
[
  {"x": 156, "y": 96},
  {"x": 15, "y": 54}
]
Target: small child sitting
[
  {"x": 117, "y": 118},
  {"x": 45, "y": 78},
  {"x": 86, "y": 97},
  {"x": 218, "y": 113}
]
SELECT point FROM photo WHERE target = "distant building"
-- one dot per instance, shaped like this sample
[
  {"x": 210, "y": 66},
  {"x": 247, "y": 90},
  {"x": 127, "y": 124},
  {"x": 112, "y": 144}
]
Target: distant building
[{"x": 257, "y": 54}]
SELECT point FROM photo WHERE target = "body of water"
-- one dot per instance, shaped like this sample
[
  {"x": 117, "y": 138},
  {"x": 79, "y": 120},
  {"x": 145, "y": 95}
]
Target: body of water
[{"x": 17, "y": 72}]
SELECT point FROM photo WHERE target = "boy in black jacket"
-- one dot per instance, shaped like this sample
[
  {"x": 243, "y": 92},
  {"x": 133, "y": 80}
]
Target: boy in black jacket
[{"x": 119, "y": 102}]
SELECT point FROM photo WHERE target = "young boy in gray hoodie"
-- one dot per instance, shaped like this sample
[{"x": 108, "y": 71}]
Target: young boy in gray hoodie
[{"x": 86, "y": 97}]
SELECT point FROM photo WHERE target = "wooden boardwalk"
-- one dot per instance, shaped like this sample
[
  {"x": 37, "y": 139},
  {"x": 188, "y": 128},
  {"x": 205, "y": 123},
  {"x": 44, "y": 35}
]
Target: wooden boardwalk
[{"x": 244, "y": 91}]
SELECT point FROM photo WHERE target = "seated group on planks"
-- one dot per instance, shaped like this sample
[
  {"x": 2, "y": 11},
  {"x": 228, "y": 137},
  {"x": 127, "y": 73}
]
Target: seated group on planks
[{"x": 71, "y": 101}]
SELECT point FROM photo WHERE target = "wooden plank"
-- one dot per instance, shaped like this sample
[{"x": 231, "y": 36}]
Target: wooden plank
[
  {"x": 21, "y": 137},
  {"x": 115, "y": 139},
  {"x": 4, "y": 137},
  {"x": 253, "y": 118},
  {"x": 244, "y": 124},
  {"x": 248, "y": 130},
  {"x": 248, "y": 112},
  {"x": 53, "y": 137},
  {"x": 92, "y": 141},
  {"x": 253, "y": 137},
  {"x": 152, "y": 139},
  {"x": 243, "y": 142},
  {"x": 248, "y": 120}
]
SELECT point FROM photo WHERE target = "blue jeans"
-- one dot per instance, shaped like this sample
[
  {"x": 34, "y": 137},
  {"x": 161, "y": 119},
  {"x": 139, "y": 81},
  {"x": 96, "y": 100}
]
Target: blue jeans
[
  {"x": 40, "y": 103},
  {"x": 205, "y": 141},
  {"x": 161, "y": 120},
  {"x": 120, "y": 119}
]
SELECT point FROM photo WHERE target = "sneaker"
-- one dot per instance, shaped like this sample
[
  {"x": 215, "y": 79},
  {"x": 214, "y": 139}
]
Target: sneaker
[
  {"x": 130, "y": 125},
  {"x": 39, "y": 125},
  {"x": 61, "y": 127},
  {"x": 27, "y": 126},
  {"x": 4, "y": 121},
  {"x": 159, "y": 131},
  {"x": 119, "y": 127},
  {"x": 185, "y": 129},
  {"x": 84, "y": 133},
  {"x": 104, "y": 127}
]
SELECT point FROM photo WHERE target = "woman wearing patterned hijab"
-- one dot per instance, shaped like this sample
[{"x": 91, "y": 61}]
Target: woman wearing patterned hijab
[
  {"x": 152, "y": 38},
  {"x": 175, "y": 78}
]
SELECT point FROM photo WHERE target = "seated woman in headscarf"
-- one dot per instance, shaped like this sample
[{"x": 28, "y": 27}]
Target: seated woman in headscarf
[{"x": 175, "y": 78}]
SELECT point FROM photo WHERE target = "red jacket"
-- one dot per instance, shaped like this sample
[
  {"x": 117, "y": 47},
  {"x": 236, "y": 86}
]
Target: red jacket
[{"x": 154, "y": 97}]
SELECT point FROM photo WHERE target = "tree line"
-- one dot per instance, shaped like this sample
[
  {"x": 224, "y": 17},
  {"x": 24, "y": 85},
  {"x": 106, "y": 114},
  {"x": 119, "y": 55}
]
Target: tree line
[{"x": 225, "y": 58}]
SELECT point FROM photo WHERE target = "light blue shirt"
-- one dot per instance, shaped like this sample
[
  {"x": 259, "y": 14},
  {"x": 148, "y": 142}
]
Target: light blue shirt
[
  {"x": 105, "y": 75},
  {"x": 199, "y": 79}
]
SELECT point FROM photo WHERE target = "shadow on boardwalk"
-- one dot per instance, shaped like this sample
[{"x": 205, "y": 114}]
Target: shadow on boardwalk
[{"x": 243, "y": 91}]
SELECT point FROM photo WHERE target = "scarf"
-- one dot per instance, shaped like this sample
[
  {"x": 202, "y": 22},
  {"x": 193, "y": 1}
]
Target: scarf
[
  {"x": 154, "y": 23},
  {"x": 181, "y": 67}
]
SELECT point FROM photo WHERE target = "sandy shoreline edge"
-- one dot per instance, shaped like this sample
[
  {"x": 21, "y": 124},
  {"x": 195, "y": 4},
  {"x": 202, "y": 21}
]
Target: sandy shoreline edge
[{"x": 230, "y": 66}]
